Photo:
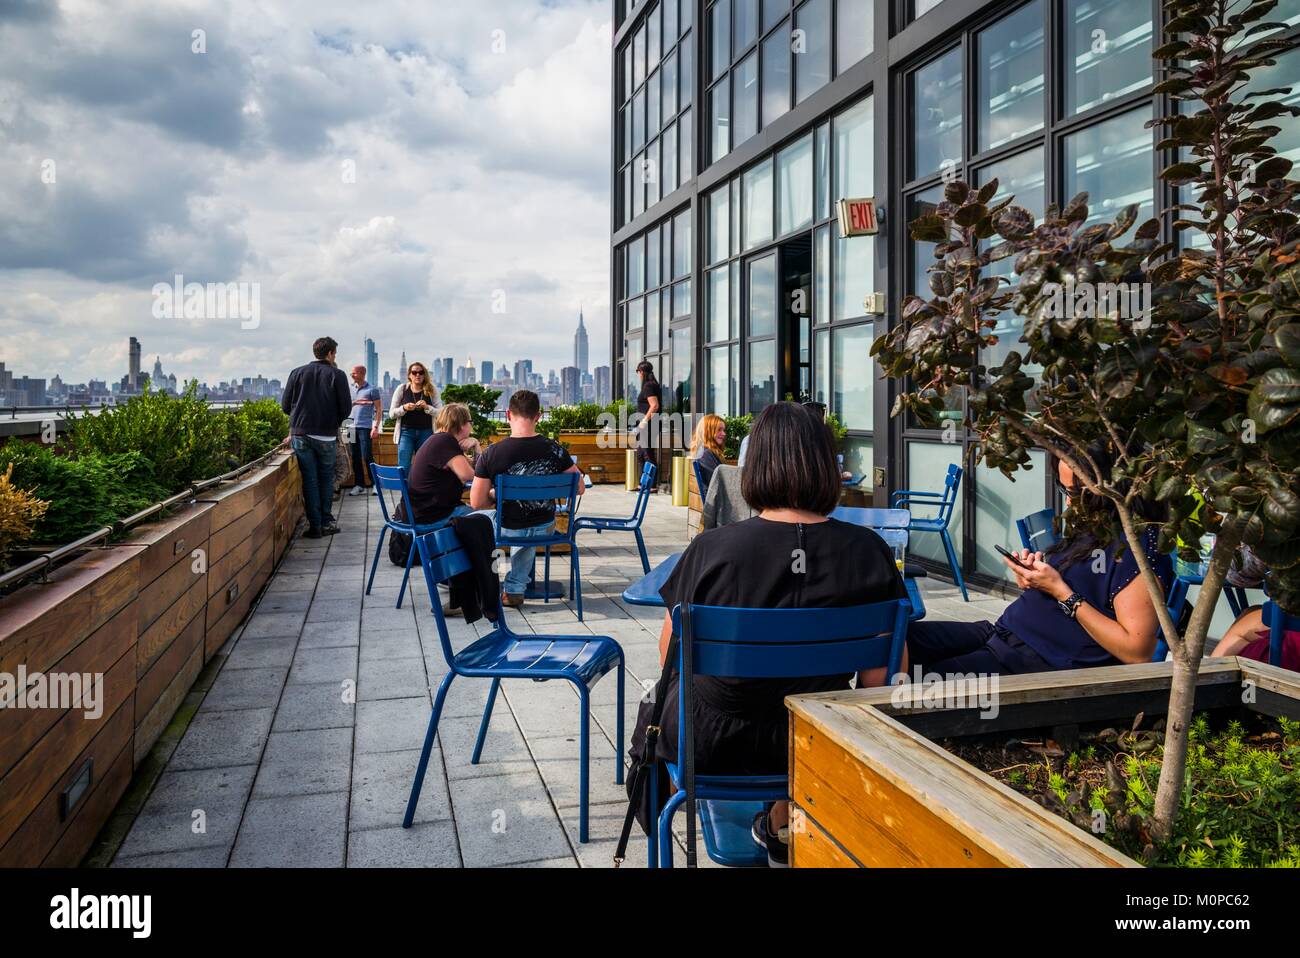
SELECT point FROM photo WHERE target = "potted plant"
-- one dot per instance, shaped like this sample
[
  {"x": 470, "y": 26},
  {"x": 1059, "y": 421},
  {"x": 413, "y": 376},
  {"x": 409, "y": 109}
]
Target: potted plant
[{"x": 1206, "y": 382}]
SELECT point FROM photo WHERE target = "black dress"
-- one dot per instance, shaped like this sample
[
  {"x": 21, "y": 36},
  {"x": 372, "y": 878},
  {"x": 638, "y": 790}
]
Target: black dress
[{"x": 741, "y": 725}]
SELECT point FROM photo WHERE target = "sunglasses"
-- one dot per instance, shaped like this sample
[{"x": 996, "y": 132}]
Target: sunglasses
[{"x": 417, "y": 372}]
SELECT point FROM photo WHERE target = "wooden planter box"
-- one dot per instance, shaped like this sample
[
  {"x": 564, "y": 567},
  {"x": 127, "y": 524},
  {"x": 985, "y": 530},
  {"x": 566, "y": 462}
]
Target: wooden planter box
[
  {"x": 870, "y": 788},
  {"x": 145, "y": 613}
]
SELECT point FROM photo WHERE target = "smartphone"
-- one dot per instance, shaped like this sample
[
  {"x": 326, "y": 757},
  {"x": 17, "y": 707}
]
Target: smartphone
[{"x": 1011, "y": 556}]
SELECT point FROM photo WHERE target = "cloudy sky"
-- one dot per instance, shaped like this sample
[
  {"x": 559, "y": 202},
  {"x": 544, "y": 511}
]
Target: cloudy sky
[{"x": 431, "y": 173}]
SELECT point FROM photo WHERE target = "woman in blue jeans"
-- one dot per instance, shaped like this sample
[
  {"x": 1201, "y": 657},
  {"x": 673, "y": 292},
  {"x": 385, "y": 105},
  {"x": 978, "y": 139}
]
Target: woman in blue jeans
[
  {"x": 413, "y": 409},
  {"x": 1082, "y": 605}
]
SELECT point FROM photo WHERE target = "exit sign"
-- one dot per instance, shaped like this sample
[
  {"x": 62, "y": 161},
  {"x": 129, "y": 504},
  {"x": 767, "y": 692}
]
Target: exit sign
[{"x": 858, "y": 217}]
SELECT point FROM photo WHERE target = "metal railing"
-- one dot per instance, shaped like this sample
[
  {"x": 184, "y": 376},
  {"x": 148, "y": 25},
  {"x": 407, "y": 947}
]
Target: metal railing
[{"x": 44, "y": 563}]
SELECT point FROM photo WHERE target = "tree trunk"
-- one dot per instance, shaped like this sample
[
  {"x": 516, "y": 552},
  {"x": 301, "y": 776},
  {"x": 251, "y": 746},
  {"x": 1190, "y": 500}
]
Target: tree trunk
[{"x": 1182, "y": 689}]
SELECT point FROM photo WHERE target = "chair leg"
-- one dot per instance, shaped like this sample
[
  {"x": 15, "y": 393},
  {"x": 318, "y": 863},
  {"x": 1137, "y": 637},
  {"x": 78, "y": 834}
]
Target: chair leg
[
  {"x": 575, "y": 578},
  {"x": 483, "y": 725},
  {"x": 652, "y": 839},
  {"x": 953, "y": 563},
  {"x": 618, "y": 723},
  {"x": 640, "y": 545},
  {"x": 546, "y": 577},
  {"x": 406, "y": 576},
  {"x": 428, "y": 747},
  {"x": 584, "y": 750},
  {"x": 379, "y": 548},
  {"x": 666, "y": 828}
]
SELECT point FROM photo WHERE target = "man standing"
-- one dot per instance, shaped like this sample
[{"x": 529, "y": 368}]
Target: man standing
[
  {"x": 317, "y": 399},
  {"x": 525, "y": 453},
  {"x": 366, "y": 416}
]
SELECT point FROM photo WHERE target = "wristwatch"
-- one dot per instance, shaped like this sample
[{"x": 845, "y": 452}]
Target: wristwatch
[{"x": 1070, "y": 606}]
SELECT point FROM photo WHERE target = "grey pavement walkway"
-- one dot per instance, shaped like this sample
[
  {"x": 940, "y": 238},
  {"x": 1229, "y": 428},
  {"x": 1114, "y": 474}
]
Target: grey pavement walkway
[{"x": 303, "y": 750}]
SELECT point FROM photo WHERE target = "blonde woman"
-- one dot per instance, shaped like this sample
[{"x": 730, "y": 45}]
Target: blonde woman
[
  {"x": 413, "y": 408},
  {"x": 708, "y": 446},
  {"x": 440, "y": 469}
]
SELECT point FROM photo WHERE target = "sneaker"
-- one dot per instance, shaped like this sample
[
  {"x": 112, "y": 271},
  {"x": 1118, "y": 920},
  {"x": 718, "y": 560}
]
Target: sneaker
[
  {"x": 330, "y": 529},
  {"x": 453, "y": 611},
  {"x": 777, "y": 846},
  {"x": 512, "y": 601},
  {"x": 311, "y": 534},
  {"x": 356, "y": 491}
]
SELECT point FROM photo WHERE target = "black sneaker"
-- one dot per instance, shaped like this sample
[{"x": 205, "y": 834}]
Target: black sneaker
[
  {"x": 330, "y": 529},
  {"x": 778, "y": 849},
  {"x": 311, "y": 534}
]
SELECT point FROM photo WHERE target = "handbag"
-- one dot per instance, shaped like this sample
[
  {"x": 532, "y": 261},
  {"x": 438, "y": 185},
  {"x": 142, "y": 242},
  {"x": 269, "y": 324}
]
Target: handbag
[{"x": 399, "y": 543}]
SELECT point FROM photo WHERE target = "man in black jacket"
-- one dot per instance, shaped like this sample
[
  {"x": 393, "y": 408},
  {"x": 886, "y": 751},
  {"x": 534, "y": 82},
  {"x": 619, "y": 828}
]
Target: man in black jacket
[{"x": 317, "y": 399}]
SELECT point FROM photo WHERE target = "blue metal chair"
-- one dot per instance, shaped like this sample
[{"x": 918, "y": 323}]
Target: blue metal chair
[
  {"x": 944, "y": 502},
  {"x": 1036, "y": 530},
  {"x": 762, "y": 643},
  {"x": 580, "y": 659},
  {"x": 562, "y": 486},
  {"x": 631, "y": 524},
  {"x": 1279, "y": 623},
  {"x": 1186, "y": 575},
  {"x": 701, "y": 486},
  {"x": 393, "y": 479}
]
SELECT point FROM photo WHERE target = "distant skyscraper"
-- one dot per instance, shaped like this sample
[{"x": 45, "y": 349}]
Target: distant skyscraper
[
  {"x": 485, "y": 372},
  {"x": 157, "y": 368},
  {"x": 580, "y": 345},
  {"x": 448, "y": 370},
  {"x": 402, "y": 374},
  {"x": 372, "y": 362},
  {"x": 133, "y": 367},
  {"x": 602, "y": 385},
  {"x": 435, "y": 374},
  {"x": 570, "y": 385}
]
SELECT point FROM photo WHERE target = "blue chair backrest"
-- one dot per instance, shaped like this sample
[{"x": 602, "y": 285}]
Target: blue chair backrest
[
  {"x": 392, "y": 479},
  {"x": 794, "y": 643},
  {"x": 441, "y": 556},
  {"x": 1036, "y": 530},
  {"x": 1279, "y": 623},
  {"x": 648, "y": 475},
  {"x": 951, "y": 485},
  {"x": 562, "y": 485},
  {"x": 873, "y": 518},
  {"x": 700, "y": 484}
]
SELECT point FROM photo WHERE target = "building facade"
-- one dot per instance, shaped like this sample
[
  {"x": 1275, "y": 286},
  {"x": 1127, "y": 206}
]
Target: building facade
[{"x": 740, "y": 124}]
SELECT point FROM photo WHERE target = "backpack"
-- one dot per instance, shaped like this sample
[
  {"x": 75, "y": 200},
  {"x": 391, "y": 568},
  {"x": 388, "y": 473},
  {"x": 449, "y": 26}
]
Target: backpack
[{"x": 399, "y": 543}]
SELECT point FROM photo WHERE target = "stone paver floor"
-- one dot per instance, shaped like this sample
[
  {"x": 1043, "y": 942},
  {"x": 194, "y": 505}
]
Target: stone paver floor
[{"x": 303, "y": 749}]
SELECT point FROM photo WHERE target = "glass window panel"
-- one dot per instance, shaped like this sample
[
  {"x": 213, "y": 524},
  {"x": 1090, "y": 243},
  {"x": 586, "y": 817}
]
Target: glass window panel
[
  {"x": 687, "y": 14},
  {"x": 745, "y": 79},
  {"x": 858, "y": 454},
  {"x": 762, "y": 296},
  {"x": 638, "y": 185},
  {"x": 855, "y": 173},
  {"x": 652, "y": 323},
  {"x": 653, "y": 22},
  {"x": 854, "y": 378},
  {"x": 735, "y": 378},
  {"x": 652, "y": 105},
  {"x": 651, "y": 176},
  {"x": 927, "y": 467},
  {"x": 718, "y": 401},
  {"x": 776, "y": 75},
  {"x": 670, "y": 21},
  {"x": 1112, "y": 163},
  {"x": 823, "y": 171},
  {"x": 735, "y": 295},
  {"x": 745, "y": 23},
  {"x": 652, "y": 259},
  {"x": 853, "y": 32},
  {"x": 669, "y": 161},
  {"x": 625, "y": 133},
  {"x": 638, "y": 57},
  {"x": 936, "y": 115},
  {"x": 686, "y": 82},
  {"x": 628, "y": 85},
  {"x": 720, "y": 118},
  {"x": 922, "y": 253},
  {"x": 719, "y": 305},
  {"x": 719, "y": 223},
  {"x": 1107, "y": 51},
  {"x": 773, "y": 11},
  {"x": 813, "y": 48},
  {"x": 682, "y": 299},
  {"x": 822, "y": 276},
  {"x": 822, "y": 367},
  {"x": 922, "y": 7},
  {"x": 627, "y": 193},
  {"x": 735, "y": 215},
  {"x": 681, "y": 394},
  {"x": 1010, "y": 84},
  {"x": 720, "y": 39},
  {"x": 638, "y": 120},
  {"x": 636, "y": 266},
  {"x": 794, "y": 168},
  {"x": 636, "y": 314},
  {"x": 669, "y": 86},
  {"x": 999, "y": 502},
  {"x": 854, "y": 275},
  {"x": 635, "y": 353},
  {"x": 762, "y": 375},
  {"x": 1284, "y": 73},
  {"x": 685, "y": 148},
  {"x": 682, "y": 244},
  {"x": 757, "y": 189}
]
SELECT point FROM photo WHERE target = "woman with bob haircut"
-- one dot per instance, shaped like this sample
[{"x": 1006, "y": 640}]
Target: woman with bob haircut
[{"x": 792, "y": 482}]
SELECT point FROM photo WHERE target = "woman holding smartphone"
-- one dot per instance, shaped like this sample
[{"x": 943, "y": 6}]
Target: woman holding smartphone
[
  {"x": 1082, "y": 605},
  {"x": 413, "y": 408}
]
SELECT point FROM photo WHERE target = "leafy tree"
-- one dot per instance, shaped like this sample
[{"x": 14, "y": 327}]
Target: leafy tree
[
  {"x": 1200, "y": 393},
  {"x": 482, "y": 402}
]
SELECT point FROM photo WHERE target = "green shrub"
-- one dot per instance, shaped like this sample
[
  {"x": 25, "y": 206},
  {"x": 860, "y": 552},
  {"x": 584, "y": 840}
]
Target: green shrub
[
  {"x": 482, "y": 402},
  {"x": 737, "y": 430},
  {"x": 254, "y": 429}
]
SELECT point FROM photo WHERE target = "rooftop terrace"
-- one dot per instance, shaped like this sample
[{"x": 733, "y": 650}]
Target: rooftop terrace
[{"x": 270, "y": 764}]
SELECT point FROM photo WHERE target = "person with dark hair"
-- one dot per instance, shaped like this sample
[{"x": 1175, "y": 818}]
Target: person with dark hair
[
  {"x": 1082, "y": 604},
  {"x": 649, "y": 403},
  {"x": 317, "y": 399},
  {"x": 790, "y": 555},
  {"x": 524, "y": 453}
]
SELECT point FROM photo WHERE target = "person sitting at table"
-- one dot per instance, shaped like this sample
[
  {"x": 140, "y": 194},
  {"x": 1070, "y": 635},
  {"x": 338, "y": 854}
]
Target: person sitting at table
[
  {"x": 440, "y": 469},
  {"x": 790, "y": 555},
  {"x": 1082, "y": 605},
  {"x": 708, "y": 446},
  {"x": 1249, "y": 638}
]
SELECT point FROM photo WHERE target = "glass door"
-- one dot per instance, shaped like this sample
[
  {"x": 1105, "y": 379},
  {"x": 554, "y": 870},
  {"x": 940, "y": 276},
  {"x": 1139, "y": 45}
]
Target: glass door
[{"x": 761, "y": 311}]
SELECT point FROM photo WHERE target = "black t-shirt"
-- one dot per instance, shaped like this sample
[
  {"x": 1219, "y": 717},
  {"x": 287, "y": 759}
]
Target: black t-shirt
[
  {"x": 752, "y": 564},
  {"x": 530, "y": 456},
  {"x": 415, "y": 418},
  {"x": 649, "y": 388},
  {"x": 435, "y": 489}
]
